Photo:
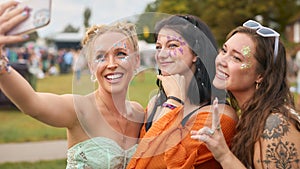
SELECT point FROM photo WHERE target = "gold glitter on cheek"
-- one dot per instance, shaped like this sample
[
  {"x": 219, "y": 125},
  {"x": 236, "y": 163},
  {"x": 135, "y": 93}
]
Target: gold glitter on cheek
[
  {"x": 246, "y": 51},
  {"x": 245, "y": 65}
]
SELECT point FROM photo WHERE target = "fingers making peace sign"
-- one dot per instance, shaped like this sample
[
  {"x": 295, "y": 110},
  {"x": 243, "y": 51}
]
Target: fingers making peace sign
[{"x": 213, "y": 137}]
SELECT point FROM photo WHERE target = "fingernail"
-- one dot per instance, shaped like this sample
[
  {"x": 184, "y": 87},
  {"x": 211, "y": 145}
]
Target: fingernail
[
  {"x": 25, "y": 36},
  {"x": 24, "y": 13}
]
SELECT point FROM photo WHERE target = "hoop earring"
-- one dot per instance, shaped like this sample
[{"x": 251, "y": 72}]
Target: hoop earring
[{"x": 93, "y": 78}]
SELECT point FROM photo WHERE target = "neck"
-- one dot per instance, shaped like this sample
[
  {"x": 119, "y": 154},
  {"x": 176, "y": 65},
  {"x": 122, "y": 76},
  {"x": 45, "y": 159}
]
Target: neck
[
  {"x": 115, "y": 102},
  {"x": 188, "y": 77},
  {"x": 242, "y": 97}
]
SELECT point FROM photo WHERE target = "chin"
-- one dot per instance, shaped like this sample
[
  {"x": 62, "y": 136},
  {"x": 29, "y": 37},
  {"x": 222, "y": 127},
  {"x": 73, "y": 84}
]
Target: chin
[{"x": 219, "y": 84}]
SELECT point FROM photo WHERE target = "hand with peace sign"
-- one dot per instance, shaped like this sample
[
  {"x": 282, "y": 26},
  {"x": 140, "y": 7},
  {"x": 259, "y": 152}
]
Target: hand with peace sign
[
  {"x": 213, "y": 137},
  {"x": 215, "y": 141}
]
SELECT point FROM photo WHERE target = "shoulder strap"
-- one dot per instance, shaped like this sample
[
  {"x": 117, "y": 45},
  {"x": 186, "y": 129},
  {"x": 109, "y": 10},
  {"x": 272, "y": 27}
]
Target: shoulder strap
[{"x": 186, "y": 118}]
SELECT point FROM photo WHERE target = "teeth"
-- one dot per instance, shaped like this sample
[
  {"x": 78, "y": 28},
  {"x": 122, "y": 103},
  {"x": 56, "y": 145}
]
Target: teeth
[
  {"x": 115, "y": 76},
  {"x": 223, "y": 75}
]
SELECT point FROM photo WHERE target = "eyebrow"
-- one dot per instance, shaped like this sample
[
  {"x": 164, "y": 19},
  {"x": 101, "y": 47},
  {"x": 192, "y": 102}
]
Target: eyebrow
[
  {"x": 169, "y": 40},
  {"x": 235, "y": 51}
]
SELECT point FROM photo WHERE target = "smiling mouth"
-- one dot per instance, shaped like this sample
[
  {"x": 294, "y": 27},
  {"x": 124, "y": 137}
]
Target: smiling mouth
[
  {"x": 165, "y": 63},
  {"x": 222, "y": 75},
  {"x": 114, "y": 76}
]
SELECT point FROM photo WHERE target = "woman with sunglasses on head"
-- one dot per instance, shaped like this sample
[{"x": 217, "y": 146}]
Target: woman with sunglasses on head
[
  {"x": 251, "y": 66},
  {"x": 102, "y": 126},
  {"x": 185, "y": 54}
]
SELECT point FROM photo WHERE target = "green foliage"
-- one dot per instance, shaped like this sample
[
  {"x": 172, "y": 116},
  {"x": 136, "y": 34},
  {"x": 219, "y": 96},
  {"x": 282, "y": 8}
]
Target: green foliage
[
  {"x": 69, "y": 28},
  {"x": 87, "y": 15},
  {"x": 224, "y": 15}
]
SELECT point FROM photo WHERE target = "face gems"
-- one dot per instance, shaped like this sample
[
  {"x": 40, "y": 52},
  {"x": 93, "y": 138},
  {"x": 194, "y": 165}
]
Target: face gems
[
  {"x": 181, "y": 50},
  {"x": 177, "y": 39},
  {"x": 245, "y": 66},
  {"x": 120, "y": 44},
  {"x": 246, "y": 52}
]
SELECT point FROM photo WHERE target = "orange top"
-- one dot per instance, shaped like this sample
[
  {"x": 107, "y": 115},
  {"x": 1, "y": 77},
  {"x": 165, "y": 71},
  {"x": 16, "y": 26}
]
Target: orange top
[{"x": 168, "y": 144}]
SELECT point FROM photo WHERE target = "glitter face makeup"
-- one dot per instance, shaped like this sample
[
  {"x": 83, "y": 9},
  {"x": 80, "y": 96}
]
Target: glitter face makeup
[
  {"x": 120, "y": 44},
  {"x": 172, "y": 53},
  {"x": 245, "y": 66},
  {"x": 246, "y": 52},
  {"x": 119, "y": 50}
]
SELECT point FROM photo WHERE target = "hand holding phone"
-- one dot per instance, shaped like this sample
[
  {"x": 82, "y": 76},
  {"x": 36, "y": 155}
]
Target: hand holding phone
[{"x": 40, "y": 14}]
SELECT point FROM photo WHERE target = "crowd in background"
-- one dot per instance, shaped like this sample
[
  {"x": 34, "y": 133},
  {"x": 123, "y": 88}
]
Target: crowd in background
[{"x": 43, "y": 61}]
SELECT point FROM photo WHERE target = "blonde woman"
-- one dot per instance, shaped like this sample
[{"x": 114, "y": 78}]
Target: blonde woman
[{"x": 102, "y": 126}]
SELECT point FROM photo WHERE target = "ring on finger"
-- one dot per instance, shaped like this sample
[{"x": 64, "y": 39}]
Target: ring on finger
[
  {"x": 211, "y": 132},
  {"x": 218, "y": 127}
]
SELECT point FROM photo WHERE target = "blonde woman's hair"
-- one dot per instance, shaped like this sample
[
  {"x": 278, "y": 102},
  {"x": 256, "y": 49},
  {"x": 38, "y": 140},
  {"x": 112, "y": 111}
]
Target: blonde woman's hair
[{"x": 128, "y": 29}]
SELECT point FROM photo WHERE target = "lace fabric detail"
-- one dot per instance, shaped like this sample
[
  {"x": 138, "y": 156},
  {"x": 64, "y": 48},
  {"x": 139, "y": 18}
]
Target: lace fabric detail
[{"x": 98, "y": 152}]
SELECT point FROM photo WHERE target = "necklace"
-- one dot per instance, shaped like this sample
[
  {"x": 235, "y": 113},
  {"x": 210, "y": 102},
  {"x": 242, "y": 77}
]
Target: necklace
[{"x": 121, "y": 127}]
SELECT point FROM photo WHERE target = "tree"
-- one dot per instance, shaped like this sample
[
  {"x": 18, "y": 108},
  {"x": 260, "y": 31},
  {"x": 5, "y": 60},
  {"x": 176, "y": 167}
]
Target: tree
[
  {"x": 70, "y": 28},
  {"x": 87, "y": 15},
  {"x": 224, "y": 15}
]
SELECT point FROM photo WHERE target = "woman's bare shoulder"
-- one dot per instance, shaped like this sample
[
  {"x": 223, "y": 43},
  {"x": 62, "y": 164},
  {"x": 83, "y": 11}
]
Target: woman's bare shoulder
[{"x": 223, "y": 109}]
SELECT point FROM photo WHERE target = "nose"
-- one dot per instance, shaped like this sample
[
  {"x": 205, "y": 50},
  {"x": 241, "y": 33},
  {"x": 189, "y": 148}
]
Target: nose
[
  {"x": 222, "y": 59},
  {"x": 112, "y": 64},
  {"x": 162, "y": 53}
]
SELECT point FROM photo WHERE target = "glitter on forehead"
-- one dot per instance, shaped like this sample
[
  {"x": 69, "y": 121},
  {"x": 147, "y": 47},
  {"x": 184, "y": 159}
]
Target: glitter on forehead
[
  {"x": 120, "y": 44},
  {"x": 246, "y": 51}
]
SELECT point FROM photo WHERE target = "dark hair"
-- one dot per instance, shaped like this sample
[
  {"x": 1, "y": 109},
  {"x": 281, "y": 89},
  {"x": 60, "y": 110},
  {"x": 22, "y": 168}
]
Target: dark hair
[
  {"x": 202, "y": 43},
  {"x": 273, "y": 95}
]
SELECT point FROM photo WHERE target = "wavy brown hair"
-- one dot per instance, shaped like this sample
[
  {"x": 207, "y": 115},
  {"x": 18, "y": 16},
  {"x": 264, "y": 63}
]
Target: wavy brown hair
[{"x": 273, "y": 95}]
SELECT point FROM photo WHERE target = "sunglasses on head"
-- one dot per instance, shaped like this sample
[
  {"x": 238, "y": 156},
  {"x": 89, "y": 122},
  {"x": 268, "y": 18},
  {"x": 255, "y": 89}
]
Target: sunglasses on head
[{"x": 264, "y": 32}]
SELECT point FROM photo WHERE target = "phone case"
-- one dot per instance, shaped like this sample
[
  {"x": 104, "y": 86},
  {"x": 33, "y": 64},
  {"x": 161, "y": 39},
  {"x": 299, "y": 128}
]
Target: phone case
[{"x": 40, "y": 14}]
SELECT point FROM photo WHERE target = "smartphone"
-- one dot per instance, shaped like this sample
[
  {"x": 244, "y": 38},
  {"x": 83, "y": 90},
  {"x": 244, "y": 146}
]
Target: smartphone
[{"x": 39, "y": 16}]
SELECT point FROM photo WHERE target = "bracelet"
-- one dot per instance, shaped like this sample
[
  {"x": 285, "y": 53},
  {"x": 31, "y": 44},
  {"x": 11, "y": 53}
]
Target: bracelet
[
  {"x": 4, "y": 65},
  {"x": 168, "y": 105},
  {"x": 176, "y": 99}
]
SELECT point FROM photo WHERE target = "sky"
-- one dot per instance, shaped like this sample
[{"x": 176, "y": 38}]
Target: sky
[{"x": 65, "y": 12}]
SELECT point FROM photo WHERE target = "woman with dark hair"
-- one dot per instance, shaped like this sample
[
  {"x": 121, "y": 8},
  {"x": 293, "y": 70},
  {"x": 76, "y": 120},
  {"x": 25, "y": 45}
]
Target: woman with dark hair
[
  {"x": 252, "y": 66},
  {"x": 185, "y": 56}
]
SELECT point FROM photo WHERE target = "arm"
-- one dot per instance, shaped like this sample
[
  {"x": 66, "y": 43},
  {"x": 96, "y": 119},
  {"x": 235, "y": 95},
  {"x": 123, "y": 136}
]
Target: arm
[
  {"x": 49, "y": 108},
  {"x": 279, "y": 145}
]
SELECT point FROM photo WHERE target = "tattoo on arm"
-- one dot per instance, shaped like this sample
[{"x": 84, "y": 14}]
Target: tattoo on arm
[
  {"x": 282, "y": 154},
  {"x": 276, "y": 127}
]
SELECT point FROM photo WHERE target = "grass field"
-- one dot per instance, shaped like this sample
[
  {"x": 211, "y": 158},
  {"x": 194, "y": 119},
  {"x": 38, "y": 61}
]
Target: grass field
[{"x": 18, "y": 127}]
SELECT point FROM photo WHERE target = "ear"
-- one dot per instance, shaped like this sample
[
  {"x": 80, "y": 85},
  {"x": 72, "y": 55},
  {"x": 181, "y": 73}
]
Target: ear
[
  {"x": 138, "y": 61},
  {"x": 259, "y": 79},
  {"x": 91, "y": 68},
  {"x": 194, "y": 59}
]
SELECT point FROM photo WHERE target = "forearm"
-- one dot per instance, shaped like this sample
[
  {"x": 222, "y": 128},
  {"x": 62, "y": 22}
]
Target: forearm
[
  {"x": 230, "y": 161},
  {"x": 17, "y": 89}
]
